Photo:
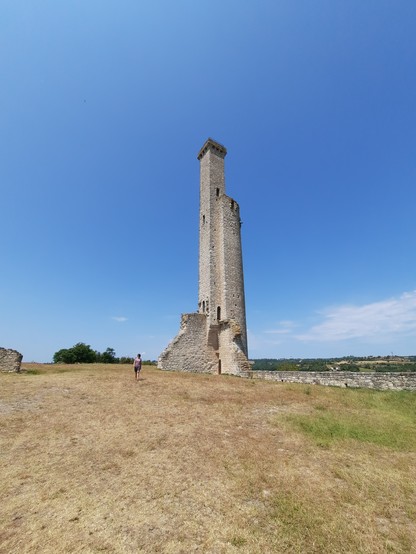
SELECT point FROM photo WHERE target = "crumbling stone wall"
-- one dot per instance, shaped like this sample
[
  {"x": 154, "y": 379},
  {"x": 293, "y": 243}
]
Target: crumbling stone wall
[
  {"x": 231, "y": 350},
  {"x": 10, "y": 360},
  {"x": 379, "y": 381},
  {"x": 232, "y": 297},
  {"x": 189, "y": 350}
]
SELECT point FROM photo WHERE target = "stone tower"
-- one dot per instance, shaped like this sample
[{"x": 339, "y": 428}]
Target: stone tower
[{"x": 215, "y": 338}]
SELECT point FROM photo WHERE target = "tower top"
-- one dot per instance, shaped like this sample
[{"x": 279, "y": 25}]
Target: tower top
[{"x": 216, "y": 147}]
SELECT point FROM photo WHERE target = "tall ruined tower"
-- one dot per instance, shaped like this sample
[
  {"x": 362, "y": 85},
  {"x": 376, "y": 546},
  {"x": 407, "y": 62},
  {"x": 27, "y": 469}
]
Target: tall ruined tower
[{"x": 215, "y": 338}]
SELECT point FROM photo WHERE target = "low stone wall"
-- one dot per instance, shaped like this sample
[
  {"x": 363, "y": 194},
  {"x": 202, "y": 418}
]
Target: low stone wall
[
  {"x": 10, "y": 360},
  {"x": 379, "y": 381}
]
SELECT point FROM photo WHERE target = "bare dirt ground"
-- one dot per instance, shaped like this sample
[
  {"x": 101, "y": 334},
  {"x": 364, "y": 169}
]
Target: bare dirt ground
[{"x": 91, "y": 461}]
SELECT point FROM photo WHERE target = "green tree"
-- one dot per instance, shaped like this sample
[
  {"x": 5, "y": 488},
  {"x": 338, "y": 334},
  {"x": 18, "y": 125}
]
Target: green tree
[
  {"x": 84, "y": 354},
  {"x": 108, "y": 357},
  {"x": 126, "y": 360},
  {"x": 64, "y": 356},
  {"x": 81, "y": 353}
]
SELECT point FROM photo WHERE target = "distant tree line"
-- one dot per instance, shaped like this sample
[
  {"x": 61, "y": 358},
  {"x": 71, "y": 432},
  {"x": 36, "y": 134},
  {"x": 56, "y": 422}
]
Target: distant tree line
[
  {"x": 348, "y": 363},
  {"x": 82, "y": 353},
  {"x": 292, "y": 364}
]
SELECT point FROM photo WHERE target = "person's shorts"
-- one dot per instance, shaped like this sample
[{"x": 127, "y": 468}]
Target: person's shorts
[{"x": 136, "y": 369}]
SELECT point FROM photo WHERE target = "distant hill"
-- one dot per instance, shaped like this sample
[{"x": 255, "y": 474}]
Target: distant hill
[{"x": 347, "y": 363}]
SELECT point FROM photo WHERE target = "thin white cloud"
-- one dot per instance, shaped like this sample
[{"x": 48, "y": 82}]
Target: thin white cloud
[
  {"x": 287, "y": 323},
  {"x": 387, "y": 318},
  {"x": 120, "y": 319},
  {"x": 285, "y": 327}
]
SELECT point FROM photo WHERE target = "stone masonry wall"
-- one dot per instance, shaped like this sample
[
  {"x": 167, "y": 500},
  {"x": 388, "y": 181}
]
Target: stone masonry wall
[
  {"x": 189, "y": 350},
  {"x": 10, "y": 360},
  {"x": 379, "y": 381},
  {"x": 233, "y": 303},
  {"x": 231, "y": 348},
  {"x": 212, "y": 186}
]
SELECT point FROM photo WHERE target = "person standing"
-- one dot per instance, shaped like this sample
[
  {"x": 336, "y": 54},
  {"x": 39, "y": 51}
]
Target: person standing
[{"x": 137, "y": 366}]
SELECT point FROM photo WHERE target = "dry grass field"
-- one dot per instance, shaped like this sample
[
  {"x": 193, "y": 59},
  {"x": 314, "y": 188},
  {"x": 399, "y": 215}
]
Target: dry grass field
[{"x": 92, "y": 461}]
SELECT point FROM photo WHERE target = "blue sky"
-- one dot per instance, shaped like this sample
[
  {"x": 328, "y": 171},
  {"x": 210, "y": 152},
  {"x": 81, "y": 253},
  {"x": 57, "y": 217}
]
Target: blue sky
[{"x": 104, "y": 107}]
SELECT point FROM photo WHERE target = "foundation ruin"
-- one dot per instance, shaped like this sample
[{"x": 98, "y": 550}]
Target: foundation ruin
[{"x": 10, "y": 360}]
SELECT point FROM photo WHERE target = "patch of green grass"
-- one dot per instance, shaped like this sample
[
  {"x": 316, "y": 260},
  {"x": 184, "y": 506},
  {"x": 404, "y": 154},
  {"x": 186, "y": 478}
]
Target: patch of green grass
[
  {"x": 238, "y": 541},
  {"x": 293, "y": 518},
  {"x": 383, "y": 418}
]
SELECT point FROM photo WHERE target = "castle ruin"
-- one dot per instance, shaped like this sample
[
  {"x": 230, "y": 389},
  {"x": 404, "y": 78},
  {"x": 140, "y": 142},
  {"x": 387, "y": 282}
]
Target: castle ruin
[
  {"x": 10, "y": 360},
  {"x": 214, "y": 339}
]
